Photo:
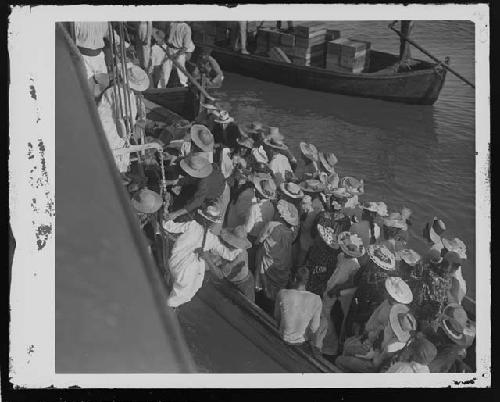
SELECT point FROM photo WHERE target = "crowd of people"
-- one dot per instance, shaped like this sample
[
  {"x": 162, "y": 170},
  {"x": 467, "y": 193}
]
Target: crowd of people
[{"x": 291, "y": 235}]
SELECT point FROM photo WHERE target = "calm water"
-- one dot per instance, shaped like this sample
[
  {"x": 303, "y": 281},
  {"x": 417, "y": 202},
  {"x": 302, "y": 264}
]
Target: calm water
[{"x": 422, "y": 157}]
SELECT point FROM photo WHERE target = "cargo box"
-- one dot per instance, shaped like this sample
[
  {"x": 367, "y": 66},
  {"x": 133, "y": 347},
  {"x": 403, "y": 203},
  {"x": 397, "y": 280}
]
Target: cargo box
[
  {"x": 313, "y": 50},
  {"x": 308, "y": 42},
  {"x": 287, "y": 39},
  {"x": 353, "y": 54},
  {"x": 274, "y": 38},
  {"x": 332, "y": 34},
  {"x": 307, "y": 30},
  {"x": 276, "y": 53}
]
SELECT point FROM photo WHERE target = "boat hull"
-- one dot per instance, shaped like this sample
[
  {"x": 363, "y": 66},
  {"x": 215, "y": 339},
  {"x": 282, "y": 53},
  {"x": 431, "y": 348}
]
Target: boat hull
[{"x": 417, "y": 87}]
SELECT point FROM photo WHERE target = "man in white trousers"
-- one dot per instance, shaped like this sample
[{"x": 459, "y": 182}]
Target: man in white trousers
[{"x": 180, "y": 44}]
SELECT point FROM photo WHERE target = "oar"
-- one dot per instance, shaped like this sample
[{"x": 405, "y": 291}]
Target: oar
[
  {"x": 391, "y": 26},
  {"x": 191, "y": 78}
]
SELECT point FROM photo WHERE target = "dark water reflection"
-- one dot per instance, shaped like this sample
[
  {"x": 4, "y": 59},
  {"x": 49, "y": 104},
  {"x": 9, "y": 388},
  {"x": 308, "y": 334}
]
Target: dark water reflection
[{"x": 417, "y": 156}]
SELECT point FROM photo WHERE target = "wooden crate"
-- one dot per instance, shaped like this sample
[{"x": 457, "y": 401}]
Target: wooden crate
[
  {"x": 313, "y": 50},
  {"x": 353, "y": 54},
  {"x": 274, "y": 38},
  {"x": 332, "y": 34},
  {"x": 287, "y": 39},
  {"x": 308, "y": 42},
  {"x": 334, "y": 51},
  {"x": 368, "y": 49},
  {"x": 309, "y": 29}
]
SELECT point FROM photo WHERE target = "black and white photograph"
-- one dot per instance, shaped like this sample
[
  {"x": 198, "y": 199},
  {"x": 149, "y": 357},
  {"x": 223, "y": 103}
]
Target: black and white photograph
[{"x": 213, "y": 190}]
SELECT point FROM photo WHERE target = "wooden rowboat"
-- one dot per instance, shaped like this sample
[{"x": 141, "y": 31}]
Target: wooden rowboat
[{"x": 421, "y": 85}]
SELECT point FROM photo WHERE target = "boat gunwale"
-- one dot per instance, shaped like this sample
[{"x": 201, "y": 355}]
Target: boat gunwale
[{"x": 365, "y": 76}]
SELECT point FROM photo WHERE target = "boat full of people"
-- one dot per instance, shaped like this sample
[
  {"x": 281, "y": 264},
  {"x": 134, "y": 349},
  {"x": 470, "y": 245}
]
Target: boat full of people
[{"x": 223, "y": 203}]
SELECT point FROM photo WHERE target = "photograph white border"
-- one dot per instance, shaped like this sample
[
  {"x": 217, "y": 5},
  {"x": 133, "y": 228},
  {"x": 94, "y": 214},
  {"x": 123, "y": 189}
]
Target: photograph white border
[{"x": 32, "y": 56}]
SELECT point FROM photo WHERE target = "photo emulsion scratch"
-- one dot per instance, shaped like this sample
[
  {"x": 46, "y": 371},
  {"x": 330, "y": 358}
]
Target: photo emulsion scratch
[{"x": 236, "y": 195}]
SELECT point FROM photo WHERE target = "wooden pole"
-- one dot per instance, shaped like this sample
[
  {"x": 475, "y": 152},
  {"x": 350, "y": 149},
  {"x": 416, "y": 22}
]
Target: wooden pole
[
  {"x": 191, "y": 78},
  {"x": 391, "y": 26}
]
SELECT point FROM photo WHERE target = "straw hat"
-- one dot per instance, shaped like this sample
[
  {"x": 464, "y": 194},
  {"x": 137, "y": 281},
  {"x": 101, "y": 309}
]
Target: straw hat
[
  {"x": 456, "y": 245},
  {"x": 265, "y": 186},
  {"x": 138, "y": 80},
  {"x": 146, "y": 201},
  {"x": 196, "y": 166},
  {"x": 246, "y": 142},
  {"x": 211, "y": 213},
  {"x": 382, "y": 256},
  {"x": 309, "y": 151},
  {"x": 457, "y": 326},
  {"x": 328, "y": 160},
  {"x": 395, "y": 220},
  {"x": 399, "y": 290},
  {"x": 223, "y": 117},
  {"x": 402, "y": 322},
  {"x": 353, "y": 185},
  {"x": 312, "y": 186},
  {"x": 325, "y": 227},
  {"x": 379, "y": 207},
  {"x": 202, "y": 137},
  {"x": 260, "y": 155},
  {"x": 291, "y": 189},
  {"x": 411, "y": 257},
  {"x": 288, "y": 212},
  {"x": 341, "y": 193},
  {"x": 274, "y": 132},
  {"x": 236, "y": 237},
  {"x": 208, "y": 106},
  {"x": 275, "y": 143},
  {"x": 351, "y": 244}
]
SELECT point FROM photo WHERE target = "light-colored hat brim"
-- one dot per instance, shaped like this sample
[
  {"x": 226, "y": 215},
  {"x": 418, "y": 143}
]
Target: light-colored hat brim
[
  {"x": 344, "y": 248},
  {"x": 308, "y": 153},
  {"x": 214, "y": 219},
  {"x": 305, "y": 187},
  {"x": 228, "y": 120},
  {"x": 396, "y": 310},
  {"x": 324, "y": 162},
  {"x": 291, "y": 195},
  {"x": 267, "y": 141},
  {"x": 405, "y": 298},
  {"x": 396, "y": 223},
  {"x": 199, "y": 174},
  {"x": 390, "y": 266},
  {"x": 257, "y": 180},
  {"x": 285, "y": 214},
  {"x": 140, "y": 207},
  {"x": 195, "y": 137},
  {"x": 235, "y": 241}
]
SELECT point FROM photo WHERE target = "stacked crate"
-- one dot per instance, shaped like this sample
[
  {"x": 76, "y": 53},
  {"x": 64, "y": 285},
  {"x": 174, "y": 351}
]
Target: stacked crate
[
  {"x": 349, "y": 55},
  {"x": 309, "y": 46}
]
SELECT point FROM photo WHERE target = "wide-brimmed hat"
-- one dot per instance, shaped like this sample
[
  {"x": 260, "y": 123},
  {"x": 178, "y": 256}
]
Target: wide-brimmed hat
[
  {"x": 274, "y": 132},
  {"x": 292, "y": 190},
  {"x": 423, "y": 350},
  {"x": 382, "y": 256},
  {"x": 288, "y": 212},
  {"x": 138, "y": 80},
  {"x": 309, "y": 151},
  {"x": 456, "y": 245},
  {"x": 379, "y": 207},
  {"x": 353, "y": 185},
  {"x": 208, "y": 106},
  {"x": 211, "y": 213},
  {"x": 452, "y": 257},
  {"x": 398, "y": 289},
  {"x": 265, "y": 186},
  {"x": 411, "y": 257},
  {"x": 395, "y": 220},
  {"x": 202, "y": 137},
  {"x": 328, "y": 160},
  {"x": 275, "y": 143},
  {"x": 146, "y": 201},
  {"x": 433, "y": 231},
  {"x": 236, "y": 237},
  {"x": 223, "y": 117},
  {"x": 260, "y": 155},
  {"x": 312, "y": 186},
  {"x": 196, "y": 166},
  {"x": 455, "y": 323},
  {"x": 341, "y": 193},
  {"x": 351, "y": 244},
  {"x": 325, "y": 226},
  {"x": 402, "y": 322}
]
